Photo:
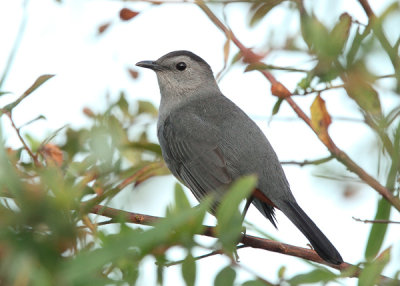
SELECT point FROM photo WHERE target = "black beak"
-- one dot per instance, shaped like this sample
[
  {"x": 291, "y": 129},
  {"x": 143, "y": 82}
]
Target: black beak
[{"x": 150, "y": 65}]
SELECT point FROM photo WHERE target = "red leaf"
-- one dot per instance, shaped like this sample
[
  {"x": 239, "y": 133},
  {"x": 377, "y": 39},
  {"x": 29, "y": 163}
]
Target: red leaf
[
  {"x": 126, "y": 14},
  {"x": 133, "y": 73},
  {"x": 102, "y": 28}
]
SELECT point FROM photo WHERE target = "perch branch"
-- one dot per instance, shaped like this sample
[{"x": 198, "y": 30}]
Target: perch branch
[{"x": 246, "y": 240}]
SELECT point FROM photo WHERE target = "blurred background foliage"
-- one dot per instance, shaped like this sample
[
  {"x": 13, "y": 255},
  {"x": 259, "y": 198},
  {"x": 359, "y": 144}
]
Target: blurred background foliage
[{"x": 48, "y": 235}]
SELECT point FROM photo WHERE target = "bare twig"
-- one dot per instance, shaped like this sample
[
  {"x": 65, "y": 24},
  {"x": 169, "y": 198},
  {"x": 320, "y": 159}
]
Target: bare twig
[
  {"x": 212, "y": 253},
  {"x": 280, "y": 90},
  {"x": 385, "y": 221},
  {"x": 320, "y": 90},
  {"x": 246, "y": 240},
  {"x": 308, "y": 162},
  {"x": 367, "y": 8}
]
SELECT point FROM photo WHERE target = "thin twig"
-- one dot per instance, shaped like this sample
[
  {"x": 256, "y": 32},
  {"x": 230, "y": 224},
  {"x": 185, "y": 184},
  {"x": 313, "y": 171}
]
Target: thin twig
[
  {"x": 26, "y": 147},
  {"x": 320, "y": 90},
  {"x": 247, "y": 240},
  {"x": 308, "y": 162},
  {"x": 385, "y": 221},
  {"x": 212, "y": 253}
]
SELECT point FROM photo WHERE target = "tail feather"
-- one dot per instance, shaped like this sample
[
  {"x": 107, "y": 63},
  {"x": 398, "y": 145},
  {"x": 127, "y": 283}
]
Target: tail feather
[{"x": 318, "y": 240}]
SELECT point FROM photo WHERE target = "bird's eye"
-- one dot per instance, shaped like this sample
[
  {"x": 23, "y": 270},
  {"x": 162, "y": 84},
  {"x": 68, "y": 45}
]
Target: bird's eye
[{"x": 181, "y": 66}]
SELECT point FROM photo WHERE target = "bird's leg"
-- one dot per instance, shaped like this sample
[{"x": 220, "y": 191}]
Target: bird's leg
[{"x": 246, "y": 207}]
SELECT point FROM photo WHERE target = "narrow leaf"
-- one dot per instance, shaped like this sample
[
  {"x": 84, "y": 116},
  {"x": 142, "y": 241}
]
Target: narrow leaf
[
  {"x": 262, "y": 10},
  {"x": 340, "y": 34},
  {"x": 189, "y": 270},
  {"x": 378, "y": 230},
  {"x": 371, "y": 274},
  {"x": 39, "y": 81},
  {"x": 277, "y": 105},
  {"x": 256, "y": 66},
  {"x": 229, "y": 218},
  {"x": 181, "y": 201},
  {"x": 4, "y": 92}
]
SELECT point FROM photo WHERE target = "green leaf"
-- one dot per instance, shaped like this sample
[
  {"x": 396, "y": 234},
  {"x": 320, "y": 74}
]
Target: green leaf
[
  {"x": 160, "y": 269},
  {"x": 305, "y": 82},
  {"x": 148, "y": 146},
  {"x": 277, "y": 106},
  {"x": 315, "y": 34},
  {"x": 281, "y": 272},
  {"x": 229, "y": 218},
  {"x": 4, "y": 92},
  {"x": 256, "y": 66},
  {"x": 189, "y": 270},
  {"x": 226, "y": 277},
  {"x": 33, "y": 142},
  {"x": 358, "y": 86},
  {"x": 260, "y": 11},
  {"x": 253, "y": 283},
  {"x": 39, "y": 81},
  {"x": 339, "y": 34},
  {"x": 181, "y": 201},
  {"x": 147, "y": 107},
  {"x": 237, "y": 57},
  {"x": 371, "y": 274},
  {"x": 315, "y": 276},
  {"x": 378, "y": 230}
]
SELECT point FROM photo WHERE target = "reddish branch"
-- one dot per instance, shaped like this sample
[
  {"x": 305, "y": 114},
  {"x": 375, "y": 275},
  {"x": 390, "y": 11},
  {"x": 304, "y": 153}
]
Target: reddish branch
[
  {"x": 247, "y": 240},
  {"x": 280, "y": 90},
  {"x": 27, "y": 149}
]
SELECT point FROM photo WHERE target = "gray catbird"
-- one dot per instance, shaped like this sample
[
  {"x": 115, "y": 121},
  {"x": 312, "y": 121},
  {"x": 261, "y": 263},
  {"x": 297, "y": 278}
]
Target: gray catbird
[{"x": 208, "y": 142}]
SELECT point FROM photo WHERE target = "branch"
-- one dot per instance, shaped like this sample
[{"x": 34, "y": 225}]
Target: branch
[
  {"x": 280, "y": 90},
  {"x": 246, "y": 240}
]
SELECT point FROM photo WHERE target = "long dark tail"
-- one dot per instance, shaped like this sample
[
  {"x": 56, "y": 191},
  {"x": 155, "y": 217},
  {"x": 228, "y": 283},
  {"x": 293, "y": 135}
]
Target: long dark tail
[{"x": 318, "y": 240}]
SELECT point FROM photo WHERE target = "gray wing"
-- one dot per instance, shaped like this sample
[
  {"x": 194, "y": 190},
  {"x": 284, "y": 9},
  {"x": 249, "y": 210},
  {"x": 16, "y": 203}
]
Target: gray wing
[{"x": 193, "y": 152}]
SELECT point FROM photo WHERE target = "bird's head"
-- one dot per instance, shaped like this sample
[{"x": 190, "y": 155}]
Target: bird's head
[{"x": 182, "y": 73}]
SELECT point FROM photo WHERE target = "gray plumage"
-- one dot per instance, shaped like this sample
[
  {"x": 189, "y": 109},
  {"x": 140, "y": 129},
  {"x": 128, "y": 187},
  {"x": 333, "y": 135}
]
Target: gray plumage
[{"x": 208, "y": 142}]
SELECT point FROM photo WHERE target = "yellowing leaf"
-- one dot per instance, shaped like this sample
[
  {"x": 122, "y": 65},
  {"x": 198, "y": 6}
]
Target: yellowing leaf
[
  {"x": 320, "y": 119},
  {"x": 227, "y": 47}
]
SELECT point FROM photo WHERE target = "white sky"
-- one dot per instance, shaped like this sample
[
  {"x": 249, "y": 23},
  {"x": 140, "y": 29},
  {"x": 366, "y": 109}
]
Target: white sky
[{"x": 62, "y": 39}]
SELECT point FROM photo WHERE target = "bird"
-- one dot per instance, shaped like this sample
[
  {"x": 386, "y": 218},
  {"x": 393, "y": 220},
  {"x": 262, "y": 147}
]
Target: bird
[{"x": 208, "y": 142}]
